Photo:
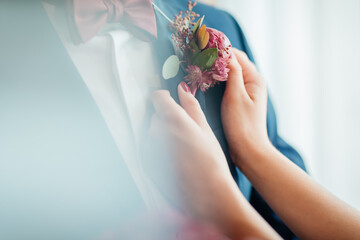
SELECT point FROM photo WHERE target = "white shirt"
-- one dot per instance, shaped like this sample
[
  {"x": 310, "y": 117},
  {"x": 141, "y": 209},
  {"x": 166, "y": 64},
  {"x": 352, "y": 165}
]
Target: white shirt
[{"x": 119, "y": 71}]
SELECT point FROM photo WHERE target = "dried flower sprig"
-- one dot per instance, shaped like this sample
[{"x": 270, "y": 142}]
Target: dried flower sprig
[{"x": 182, "y": 27}]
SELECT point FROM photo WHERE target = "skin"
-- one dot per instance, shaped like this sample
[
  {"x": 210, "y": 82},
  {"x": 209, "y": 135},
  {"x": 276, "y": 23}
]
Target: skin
[{"x": 207, "y": 190}]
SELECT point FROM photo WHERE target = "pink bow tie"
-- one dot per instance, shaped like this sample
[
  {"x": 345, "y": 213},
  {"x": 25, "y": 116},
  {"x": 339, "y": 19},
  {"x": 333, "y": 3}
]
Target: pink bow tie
[{"x": 87, "y": 17}]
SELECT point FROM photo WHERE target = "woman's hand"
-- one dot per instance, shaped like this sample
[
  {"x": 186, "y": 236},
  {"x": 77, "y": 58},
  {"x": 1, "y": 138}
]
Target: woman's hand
[
  {"x": 243, "y": 108},
  {"x": 181, "y": 139}
]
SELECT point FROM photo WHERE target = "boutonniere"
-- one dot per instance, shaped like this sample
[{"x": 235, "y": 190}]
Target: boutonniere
[{"x": 203, "y": 53}]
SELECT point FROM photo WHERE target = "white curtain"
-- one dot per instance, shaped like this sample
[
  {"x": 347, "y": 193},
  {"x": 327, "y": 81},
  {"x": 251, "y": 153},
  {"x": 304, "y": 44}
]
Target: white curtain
[{"x": 309, "y": 53}]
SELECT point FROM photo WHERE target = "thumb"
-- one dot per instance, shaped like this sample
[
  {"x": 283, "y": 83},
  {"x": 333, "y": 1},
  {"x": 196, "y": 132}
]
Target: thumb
[
  {"x": 253, "y": 81},
  {"x": 248, "y": 67},
  {"x": 191, "y": 105}
]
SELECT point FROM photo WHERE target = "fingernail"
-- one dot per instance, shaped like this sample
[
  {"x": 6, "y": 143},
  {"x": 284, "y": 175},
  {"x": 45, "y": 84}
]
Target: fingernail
[{"x": 185, "y": 87}]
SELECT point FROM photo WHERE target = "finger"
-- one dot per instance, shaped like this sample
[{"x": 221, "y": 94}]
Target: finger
[
  {"x": 235, "y": 82},
  {"x": 254, "y": 82},
  {"x": 191, "y": 104},
  {"x": 248, "y": 68},
  {"x": 165, "y": 106}
]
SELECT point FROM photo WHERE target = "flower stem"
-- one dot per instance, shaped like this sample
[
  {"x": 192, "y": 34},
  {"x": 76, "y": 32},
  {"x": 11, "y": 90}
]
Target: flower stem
[{"x": 161, "y": 12}]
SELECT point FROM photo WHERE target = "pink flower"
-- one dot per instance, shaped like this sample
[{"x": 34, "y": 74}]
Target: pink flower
[
  {"x": 194, "y": 75},
  {"x": 220, "y": 71},
  {"x": 207, "y": 81},
  {"x": 219, "y": 40},
  {"x": 198, "y": 79}
]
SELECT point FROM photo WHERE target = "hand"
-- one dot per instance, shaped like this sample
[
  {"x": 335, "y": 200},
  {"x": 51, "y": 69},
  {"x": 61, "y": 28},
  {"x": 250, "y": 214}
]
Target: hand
[
  {"x": 186, "y": 144},
  {"x": 206, "y": 188},
  {"x": 243, "y": 108}
]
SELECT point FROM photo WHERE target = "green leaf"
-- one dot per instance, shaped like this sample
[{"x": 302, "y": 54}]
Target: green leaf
[
  {"x": 198, "y": 24},
  {"x": 194, "y": 47},
  {"x": 206, "y": 58},
  {"x": 171, "y": 67}
]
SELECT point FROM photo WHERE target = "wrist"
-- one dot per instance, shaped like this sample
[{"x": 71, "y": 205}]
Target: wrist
[
  {"x": 247, "y": 152},
  {"x": 237, "y": 219}
]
